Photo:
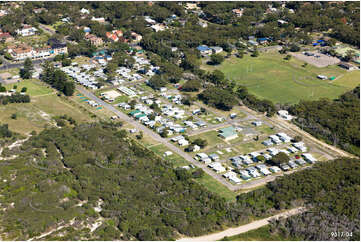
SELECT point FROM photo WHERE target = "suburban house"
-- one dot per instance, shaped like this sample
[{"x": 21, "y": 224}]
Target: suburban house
[
  {"x": 228, "y": 133},
  {"x": 158, "y": 27},
  {"x": 216, "y": 49},
  {"x": 84, "y": 11},
  {"x": 39, "y": 10},
  {"x": 115, "y": 35},
  {"x": 284, "y": 114},
  {"x": 87, "y": 30},
  {"x": 136, "y": 37},
  {"x": 94, "y": 40},
  {"x": 191, "y": 6},
  {"x": 204, "y": 50},
  {"x": 6, "y": 37},
  {"x": 3, "y": 12},
  {"x": 26, "y": 30},
  {"x": 203, "y": 24},
  {"x": 100, "y": 20},
  {"x": 20, "y": 52},
  {"x": 238, "y": 12},
  {"x": 281, "y": 22},
  {"x": 263, "y": 41},
  {"x": 253, "y": 42},
  {"x": 57, "y": 47},
  {"x": 149, "y": 20}
]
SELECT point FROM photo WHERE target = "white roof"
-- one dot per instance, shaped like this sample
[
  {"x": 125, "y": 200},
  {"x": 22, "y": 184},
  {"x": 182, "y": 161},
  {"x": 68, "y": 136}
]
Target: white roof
[
  {"x": 202, "y": 155},
  {"x": 254, "y": 154}
]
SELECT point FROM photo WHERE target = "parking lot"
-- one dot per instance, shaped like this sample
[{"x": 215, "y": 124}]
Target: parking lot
[{"x": 317, "y": 59}]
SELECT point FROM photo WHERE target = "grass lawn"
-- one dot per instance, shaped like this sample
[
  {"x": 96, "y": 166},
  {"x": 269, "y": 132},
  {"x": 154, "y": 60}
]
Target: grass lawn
[
  {"x": 347, "y": 79},
  {"x": 121, "y": 99},
  {"x": 209, "y": 118},
  {"x": 176, "y": 159},
  {"x": 81, "y": 60},
  {"x": 248, "y": 147},
  {"x": 214, "y": 186},
  {"x": 260, "y": 234},
  {"x": 211, "y": 137},
  {"x": 34, "y": 87},
  {"x": 264, "y": 129},
  {"x": 269, "y": 76},
  {"x": 12, "y": 71},
  {"x": 146, "y": 141}
]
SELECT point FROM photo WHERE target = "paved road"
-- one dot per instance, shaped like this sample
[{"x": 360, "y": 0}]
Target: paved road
[
  {"x": 46, "y": 29},
  {"x": 9, "y": 65},
  {"x": 158, "y": 138},
  {"x": 244, "y": 228}
]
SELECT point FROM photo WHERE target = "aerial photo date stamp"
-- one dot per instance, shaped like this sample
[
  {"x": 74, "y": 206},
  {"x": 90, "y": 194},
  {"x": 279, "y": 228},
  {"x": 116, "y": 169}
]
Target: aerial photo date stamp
[{"x": 341, "y": 234}]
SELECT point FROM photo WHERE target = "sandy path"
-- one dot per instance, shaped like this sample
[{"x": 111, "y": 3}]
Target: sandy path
[
  {"x": 57, "y": 228},
  {"x": 244, "y": 228}
]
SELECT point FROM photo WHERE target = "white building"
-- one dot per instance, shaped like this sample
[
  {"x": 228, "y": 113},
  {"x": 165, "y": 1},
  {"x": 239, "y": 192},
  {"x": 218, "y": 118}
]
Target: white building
[
  {"x": 84, "y": 11},
  {"x": 183, "y": 142},
  {"x": 217, "y": 167},
  {"x": 308, "y": 157},
  {"x": 284, "y": 114},
  {"x": 27, "y": 30}
]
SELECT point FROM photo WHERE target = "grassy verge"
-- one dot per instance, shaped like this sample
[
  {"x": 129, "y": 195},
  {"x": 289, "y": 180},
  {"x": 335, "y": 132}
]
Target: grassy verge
[
  {"x": 175, "y": 159},
  {"x": 214, "y": 186}
]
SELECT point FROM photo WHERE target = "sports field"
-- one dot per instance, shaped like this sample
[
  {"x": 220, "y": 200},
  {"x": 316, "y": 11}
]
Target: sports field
[{"x": 270, "y": 76}]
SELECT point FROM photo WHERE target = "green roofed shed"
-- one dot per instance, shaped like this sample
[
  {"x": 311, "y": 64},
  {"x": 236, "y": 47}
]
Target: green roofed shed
[
  {"x": 228, "y": 133},
  {"x": 135, "y": 112}
]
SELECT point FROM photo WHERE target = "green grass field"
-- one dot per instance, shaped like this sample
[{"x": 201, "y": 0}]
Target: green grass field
[
  {"x": 34, "y": 87},
  {"x": 211, "y": 137},
  {"x": 269, "y": 76},
  {"x": 260, "y": 234},
  {"x": 214, "y": 186},
  {"x": 248, "y": 147},
  {"x": 175, "y": 159}
]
